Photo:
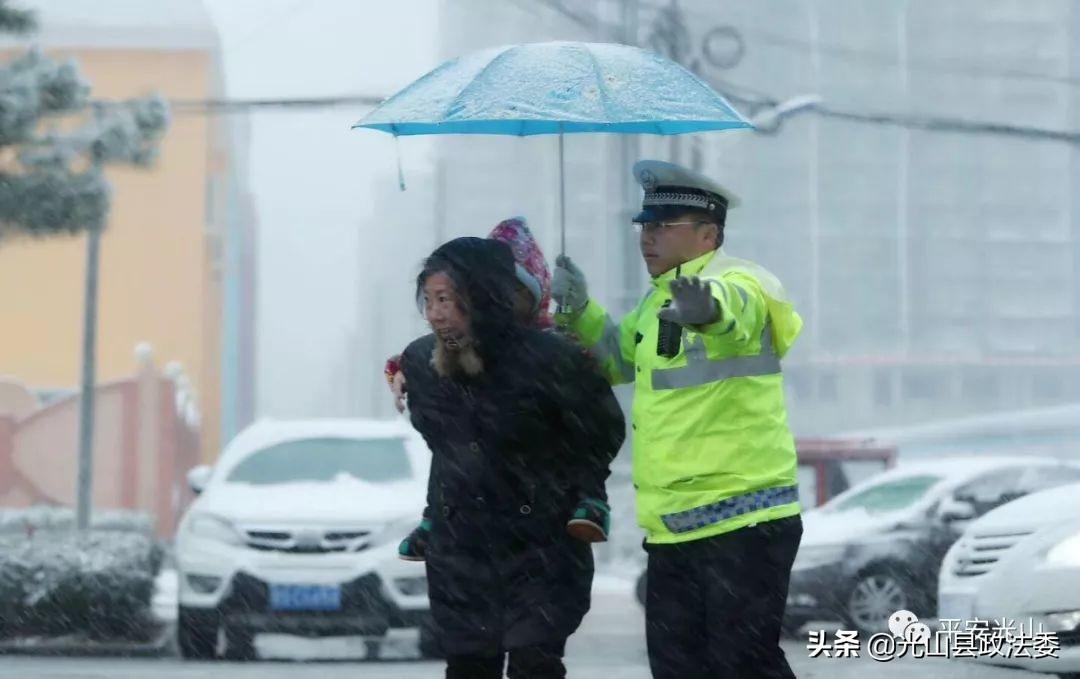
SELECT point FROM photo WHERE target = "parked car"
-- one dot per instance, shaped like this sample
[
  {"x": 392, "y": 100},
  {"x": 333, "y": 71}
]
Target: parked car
[
  {"x": 295, "y": 530},
  {"x": 1021, "y": 563},
  {"x": 878, "y": 547}
]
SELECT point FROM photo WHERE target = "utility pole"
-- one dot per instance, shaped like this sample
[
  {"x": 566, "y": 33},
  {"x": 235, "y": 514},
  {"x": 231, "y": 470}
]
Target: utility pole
[
  {"x": 85, "y": 483},
  {"x": 86, "y": 400}
]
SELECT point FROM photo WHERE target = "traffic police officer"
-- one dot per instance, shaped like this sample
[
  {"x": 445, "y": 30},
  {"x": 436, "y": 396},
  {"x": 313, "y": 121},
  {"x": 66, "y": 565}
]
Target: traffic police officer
[{"x": 714, "y": 459}]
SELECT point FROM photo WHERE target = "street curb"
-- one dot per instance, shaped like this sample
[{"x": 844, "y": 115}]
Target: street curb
[{"x": 68, "y": 646}]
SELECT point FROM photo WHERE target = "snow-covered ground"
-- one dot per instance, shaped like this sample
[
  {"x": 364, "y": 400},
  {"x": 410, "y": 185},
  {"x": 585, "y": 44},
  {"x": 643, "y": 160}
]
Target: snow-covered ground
[{"x": 609, "y": 645}]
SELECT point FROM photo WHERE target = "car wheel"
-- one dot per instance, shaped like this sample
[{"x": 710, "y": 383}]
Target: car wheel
[
  {"x": 430, "y": 647},
  {"x": 239, "y": 644},
  {"x": 197, "y": 633},
  {"x": 876, "y": 595}
]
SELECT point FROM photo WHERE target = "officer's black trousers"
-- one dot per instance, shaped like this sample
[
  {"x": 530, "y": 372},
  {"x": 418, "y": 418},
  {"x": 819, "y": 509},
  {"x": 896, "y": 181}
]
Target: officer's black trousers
[
  {"x": 528, "y": 662},
  {"x": 714, "y": 607}
]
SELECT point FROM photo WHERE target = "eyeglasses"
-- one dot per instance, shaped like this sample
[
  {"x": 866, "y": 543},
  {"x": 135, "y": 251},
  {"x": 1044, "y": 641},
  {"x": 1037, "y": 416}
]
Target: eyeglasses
[{"x": 653, "y": 227}]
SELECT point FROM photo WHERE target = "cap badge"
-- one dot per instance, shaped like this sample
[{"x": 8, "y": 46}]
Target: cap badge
[{"x": 648, "y": 180}]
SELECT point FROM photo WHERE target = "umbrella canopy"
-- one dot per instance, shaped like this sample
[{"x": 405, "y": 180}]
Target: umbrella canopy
[{"x": 554, "y": 88}]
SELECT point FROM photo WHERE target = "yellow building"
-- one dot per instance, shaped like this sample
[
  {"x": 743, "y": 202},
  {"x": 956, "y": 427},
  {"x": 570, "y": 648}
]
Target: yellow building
[{"x": 164, "y": 252}]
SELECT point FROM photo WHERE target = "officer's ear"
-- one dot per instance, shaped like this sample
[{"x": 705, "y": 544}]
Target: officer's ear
[{"x": 715, "y": 231}]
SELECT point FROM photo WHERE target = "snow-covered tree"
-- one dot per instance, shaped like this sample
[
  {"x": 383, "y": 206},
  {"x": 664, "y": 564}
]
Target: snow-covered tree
[{"x": 55, "y": 140}]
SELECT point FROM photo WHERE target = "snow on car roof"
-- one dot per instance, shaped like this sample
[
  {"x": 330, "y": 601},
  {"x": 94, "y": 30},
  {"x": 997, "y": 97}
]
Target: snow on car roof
[
  {"x": 961, "y": 468},
  {"x": 1055, "y": 505},
  {"x": 265, "y": 433},
  {"x": 951, "y": 471}
]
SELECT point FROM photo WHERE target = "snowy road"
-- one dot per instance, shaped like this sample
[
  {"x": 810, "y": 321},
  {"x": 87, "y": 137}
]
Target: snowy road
[{"x": 610, "y": 645}]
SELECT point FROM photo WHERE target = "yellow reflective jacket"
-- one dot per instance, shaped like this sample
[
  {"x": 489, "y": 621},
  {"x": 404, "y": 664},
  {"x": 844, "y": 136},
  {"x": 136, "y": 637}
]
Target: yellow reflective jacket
[{"x": 712, "y": 449}]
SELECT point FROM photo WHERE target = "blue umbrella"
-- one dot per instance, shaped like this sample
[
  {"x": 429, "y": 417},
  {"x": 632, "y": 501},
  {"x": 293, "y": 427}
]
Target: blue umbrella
[{"x": 556, "y": 88}]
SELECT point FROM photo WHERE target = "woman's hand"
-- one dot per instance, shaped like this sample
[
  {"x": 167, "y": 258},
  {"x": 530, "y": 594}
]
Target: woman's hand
[
  {"x": 395, "y": 378},
  {"x": 397, "y": 387}
]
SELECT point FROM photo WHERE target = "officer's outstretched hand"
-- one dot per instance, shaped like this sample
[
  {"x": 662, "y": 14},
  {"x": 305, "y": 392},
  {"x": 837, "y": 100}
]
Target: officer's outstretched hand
[
  {"x": 692, "y": 303},
  {"x": 568, "y": 286}
]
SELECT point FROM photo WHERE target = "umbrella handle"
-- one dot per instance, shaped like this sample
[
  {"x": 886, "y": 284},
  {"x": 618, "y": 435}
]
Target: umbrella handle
[
  {"x": 562, "y": 196},
  {"x": 400, "y": 172}
]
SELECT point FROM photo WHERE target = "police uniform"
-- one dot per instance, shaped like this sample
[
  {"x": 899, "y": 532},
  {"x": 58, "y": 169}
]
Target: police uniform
[{"x": 714, "y": 459}]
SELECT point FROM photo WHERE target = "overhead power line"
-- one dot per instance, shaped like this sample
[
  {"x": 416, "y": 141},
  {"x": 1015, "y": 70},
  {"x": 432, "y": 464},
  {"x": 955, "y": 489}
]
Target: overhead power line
[
  {"x": 937, "y": 124},
  {"x": 739, "y": 95},
  {"x": 213, "y": 106}
]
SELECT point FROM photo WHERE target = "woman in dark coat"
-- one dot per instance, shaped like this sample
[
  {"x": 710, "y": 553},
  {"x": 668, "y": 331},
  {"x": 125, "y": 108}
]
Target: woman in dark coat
[{"x": 522, "y": 429}]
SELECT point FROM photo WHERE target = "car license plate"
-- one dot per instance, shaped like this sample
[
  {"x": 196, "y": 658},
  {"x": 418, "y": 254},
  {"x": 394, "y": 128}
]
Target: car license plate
[
  {"x": 956, "y": 606},
  {"x": 305, "y": 597}
]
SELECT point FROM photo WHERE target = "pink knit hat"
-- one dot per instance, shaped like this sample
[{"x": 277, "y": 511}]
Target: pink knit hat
[{"x": 532, "y": 269}]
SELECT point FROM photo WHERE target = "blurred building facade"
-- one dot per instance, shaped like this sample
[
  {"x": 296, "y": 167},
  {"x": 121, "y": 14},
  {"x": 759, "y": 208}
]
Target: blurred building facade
[
  {"x": 177, "y": 269},
  {"x": 938, "y": 272}
]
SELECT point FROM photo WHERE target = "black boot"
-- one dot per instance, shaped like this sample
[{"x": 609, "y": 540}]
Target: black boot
[
  {"x": 537, "y": 662},
  {"x": 472, "y": 667}
]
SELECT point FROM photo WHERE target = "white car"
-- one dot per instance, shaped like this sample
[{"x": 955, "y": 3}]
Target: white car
[
  {"x": 878, "y": 547},
  {"x": 295, "y": 530},
  {"x": 1021, "y": 563}
]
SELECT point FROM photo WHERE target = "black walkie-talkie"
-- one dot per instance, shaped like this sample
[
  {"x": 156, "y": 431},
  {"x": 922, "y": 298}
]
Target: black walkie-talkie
[{"x": 669, "y": 334}]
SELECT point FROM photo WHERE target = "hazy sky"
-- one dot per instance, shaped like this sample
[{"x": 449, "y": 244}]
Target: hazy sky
[{"x": 313, "y": 177}]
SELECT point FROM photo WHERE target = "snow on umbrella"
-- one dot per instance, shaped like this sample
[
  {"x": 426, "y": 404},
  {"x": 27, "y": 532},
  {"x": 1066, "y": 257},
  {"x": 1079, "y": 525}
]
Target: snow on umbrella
[{"x": 556, "y": 88}]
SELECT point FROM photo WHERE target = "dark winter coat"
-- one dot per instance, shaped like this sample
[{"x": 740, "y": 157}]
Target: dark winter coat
[{"x": 514, "y": 450}]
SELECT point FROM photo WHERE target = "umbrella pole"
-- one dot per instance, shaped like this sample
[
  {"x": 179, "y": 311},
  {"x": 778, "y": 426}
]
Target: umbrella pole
[
  {"x": 562, "y": 198},
  {"x": 560, "y": 309}
]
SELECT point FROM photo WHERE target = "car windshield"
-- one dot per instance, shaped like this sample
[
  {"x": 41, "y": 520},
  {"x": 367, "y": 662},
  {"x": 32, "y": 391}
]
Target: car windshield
[
  {"x": 324, "y": 459},
  {"x": 889, "y": 496}
]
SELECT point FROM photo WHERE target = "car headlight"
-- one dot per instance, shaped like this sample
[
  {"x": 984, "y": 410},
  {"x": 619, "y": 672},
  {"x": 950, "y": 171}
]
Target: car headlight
[
  {"x": 813, "y": 556},
  {"x": 1066, "y": 552},
  {"x": 212, "y": 527},
  {"x": 1066, "y": 621}
]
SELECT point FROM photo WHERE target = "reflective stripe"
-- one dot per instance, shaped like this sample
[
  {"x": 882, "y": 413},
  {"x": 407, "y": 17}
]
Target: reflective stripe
[
  {"x": 700, "y": 370},
  {"x": 707, "y": 515},
  {"x": 610, "y": 345}
]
